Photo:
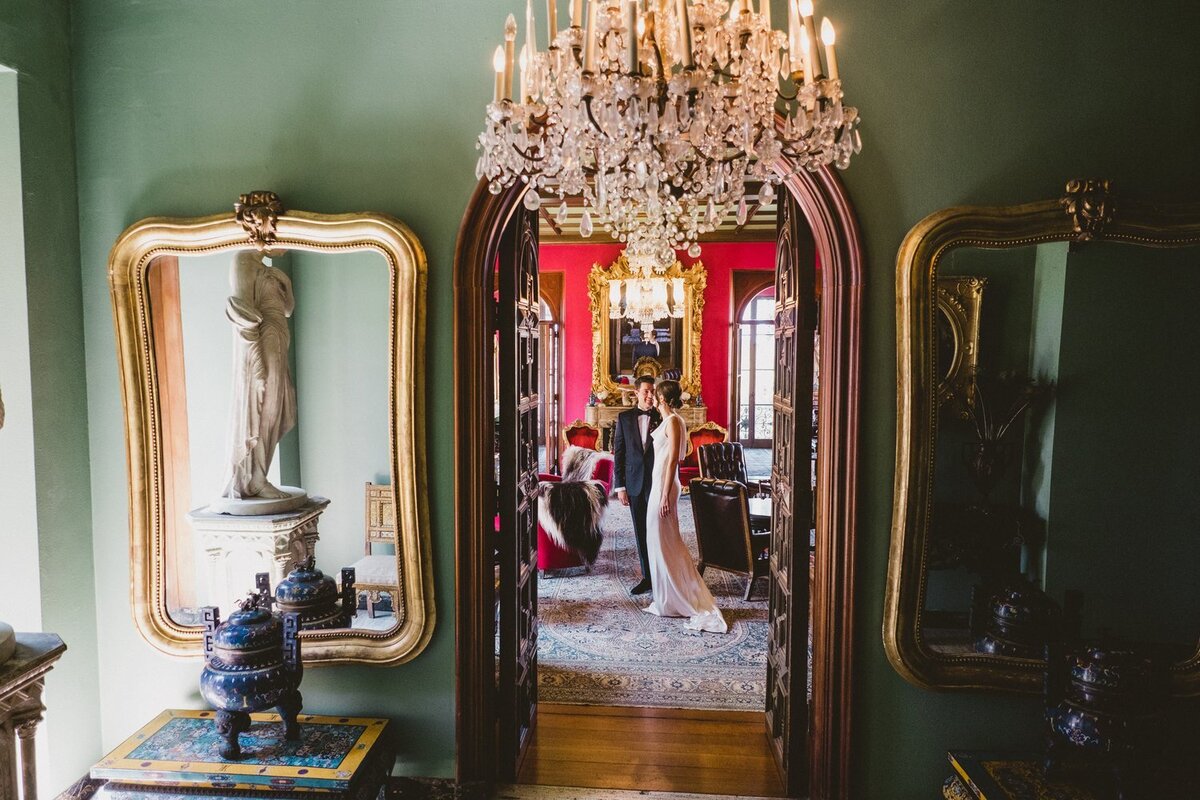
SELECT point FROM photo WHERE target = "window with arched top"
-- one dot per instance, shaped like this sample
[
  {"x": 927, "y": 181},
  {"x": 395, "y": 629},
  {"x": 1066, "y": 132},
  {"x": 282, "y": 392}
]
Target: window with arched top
[{"x": 755, "y": 349}]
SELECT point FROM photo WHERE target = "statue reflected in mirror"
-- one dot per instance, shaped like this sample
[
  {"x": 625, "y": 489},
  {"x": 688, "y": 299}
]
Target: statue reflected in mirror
[{"x": 263, "y": 407}]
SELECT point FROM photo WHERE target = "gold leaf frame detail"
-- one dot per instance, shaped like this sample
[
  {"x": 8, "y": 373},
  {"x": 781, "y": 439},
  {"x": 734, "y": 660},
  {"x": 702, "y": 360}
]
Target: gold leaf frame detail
[
  {"x": 960, "y": 300},
  {"x": 695, "y": 280},
  {"x": 128, "y": 275},
  {"x": 917, "y": 262}
]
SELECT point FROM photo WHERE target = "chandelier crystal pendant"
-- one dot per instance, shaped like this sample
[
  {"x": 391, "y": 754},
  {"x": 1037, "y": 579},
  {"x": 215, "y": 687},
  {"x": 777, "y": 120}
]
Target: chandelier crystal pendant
[{"x": 659, "y": 112}]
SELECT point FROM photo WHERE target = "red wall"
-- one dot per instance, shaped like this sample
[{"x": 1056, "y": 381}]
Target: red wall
[{"x": 719, "y": 258}]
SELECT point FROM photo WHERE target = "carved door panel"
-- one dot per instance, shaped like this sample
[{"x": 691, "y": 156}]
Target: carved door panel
[
  {"x": 787, "y": 644},
  {"x": 517, "y": 387}
]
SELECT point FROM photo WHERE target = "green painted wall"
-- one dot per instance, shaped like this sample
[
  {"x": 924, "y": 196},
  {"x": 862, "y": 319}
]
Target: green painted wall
[
  {"x": 34, "y": 41},
  {"x": 375, "y": 105},
  {"x": 1126, "y": 431}
]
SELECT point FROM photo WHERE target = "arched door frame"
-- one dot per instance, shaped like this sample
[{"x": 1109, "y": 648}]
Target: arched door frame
[{"x": 831, "y": 218}]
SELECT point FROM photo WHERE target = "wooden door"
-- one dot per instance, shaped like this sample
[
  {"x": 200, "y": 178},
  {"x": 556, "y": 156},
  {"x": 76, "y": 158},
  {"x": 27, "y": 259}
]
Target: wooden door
[
  {"x": 517, "y": 388},
  {"x": 787, "y": 644}
]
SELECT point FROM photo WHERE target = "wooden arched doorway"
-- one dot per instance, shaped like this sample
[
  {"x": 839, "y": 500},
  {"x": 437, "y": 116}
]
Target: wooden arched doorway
[{"x": 813, "y": 739}]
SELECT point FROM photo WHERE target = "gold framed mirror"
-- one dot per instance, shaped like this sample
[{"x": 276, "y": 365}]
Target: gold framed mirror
[
  {"x": 263, "y": 348},
  {"x": 623, "y": 349},
  {"x": 1072, "y": 475}
]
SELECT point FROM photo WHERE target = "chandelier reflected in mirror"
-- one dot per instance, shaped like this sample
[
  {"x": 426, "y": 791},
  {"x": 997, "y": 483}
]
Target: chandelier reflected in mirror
[
  {"x": 658, "y": 112},
  {"x": 649, "y": 295}
]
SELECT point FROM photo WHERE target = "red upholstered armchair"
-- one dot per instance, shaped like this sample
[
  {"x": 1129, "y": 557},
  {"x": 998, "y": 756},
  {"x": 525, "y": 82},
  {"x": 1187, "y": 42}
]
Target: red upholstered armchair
[
  {"x": 581, "y": 434},
  {"x": 550, "y": 555},
  {"x": 708, "y": 433}
]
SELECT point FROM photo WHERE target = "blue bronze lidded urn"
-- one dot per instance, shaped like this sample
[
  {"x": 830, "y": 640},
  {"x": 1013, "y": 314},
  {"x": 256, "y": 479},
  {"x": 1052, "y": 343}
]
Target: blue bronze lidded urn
[
  {"x": 251, "y": 663},
  {"x": 313, "y": 595}
]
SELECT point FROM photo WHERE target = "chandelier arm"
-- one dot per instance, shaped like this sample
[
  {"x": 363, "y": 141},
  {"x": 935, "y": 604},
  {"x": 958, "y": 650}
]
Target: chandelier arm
[
  {"x": 525, "y": 154},
  {"x": 587, "y": 104}
]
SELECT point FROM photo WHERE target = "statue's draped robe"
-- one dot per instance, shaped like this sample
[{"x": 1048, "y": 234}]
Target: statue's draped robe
[{"x": 264, "y": 398}]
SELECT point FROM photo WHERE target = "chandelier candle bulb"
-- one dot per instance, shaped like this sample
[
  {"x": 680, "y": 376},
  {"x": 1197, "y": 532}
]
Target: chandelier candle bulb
[
  {"x": 523, "y": 62},
  {"x": 551, "y": 22},
  {"x": 764, "y": 10},
  {"x": 631, "y": 33},
  {"x": 809, "y": 68},
  {"x": 589, "y": 52},
  {"x": 614, "y": 298},
  {"x": 795, "y": 52},
  {"x": 510, "y": 37},
  {"x": 498, "y": 66},
  {"x": 576, "y": 13},
  {"x": 814, "y": 64},
  {"x": 530, "y": 32},
  {"x": 828, "y": 36},
  {"x": 685, "y": 33}
]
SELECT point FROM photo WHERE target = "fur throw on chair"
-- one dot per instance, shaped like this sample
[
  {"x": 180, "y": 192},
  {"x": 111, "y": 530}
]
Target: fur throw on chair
[
  {"x": 570, "y": 512},
  {"x": 579, "y": 462}
]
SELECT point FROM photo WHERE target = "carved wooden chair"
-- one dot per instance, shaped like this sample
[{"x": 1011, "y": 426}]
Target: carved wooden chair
[
  {"x": 581, "y": 434},
  {"x": 706, "y": 433},
  {"x": 376, "y": 574},
  {"x": 647, "y": 365}
]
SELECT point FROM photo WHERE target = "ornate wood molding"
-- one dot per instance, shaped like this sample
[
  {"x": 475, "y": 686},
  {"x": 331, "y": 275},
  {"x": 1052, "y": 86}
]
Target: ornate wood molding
[
  {"x": 1090, "y": 204},
  {"x": 838, "y": 245},
  {"x": 258, "y": 214}
]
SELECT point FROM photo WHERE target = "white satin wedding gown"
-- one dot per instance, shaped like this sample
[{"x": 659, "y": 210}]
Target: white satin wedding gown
[{"x": 678, "y": 588}]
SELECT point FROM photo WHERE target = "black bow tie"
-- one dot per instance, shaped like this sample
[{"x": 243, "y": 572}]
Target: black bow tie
[{"x": 646, "y": 413}]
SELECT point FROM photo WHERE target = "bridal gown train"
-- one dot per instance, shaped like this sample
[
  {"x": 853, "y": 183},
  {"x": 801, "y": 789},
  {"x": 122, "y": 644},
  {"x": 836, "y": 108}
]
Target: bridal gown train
[{"x": 678, "y": 588}]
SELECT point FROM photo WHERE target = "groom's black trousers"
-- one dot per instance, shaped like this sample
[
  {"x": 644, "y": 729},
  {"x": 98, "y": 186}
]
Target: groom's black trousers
[{"x": 638, "y": 507}]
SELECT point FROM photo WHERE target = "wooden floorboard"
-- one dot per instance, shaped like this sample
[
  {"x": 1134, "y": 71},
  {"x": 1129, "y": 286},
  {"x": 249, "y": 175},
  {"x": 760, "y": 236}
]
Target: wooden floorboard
[{"x": 652, "y": 749}]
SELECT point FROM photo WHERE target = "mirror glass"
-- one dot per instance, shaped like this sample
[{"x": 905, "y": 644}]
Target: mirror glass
[
  {"x": 629, "y": 344},
  {"x": 1091, "y": 487},
  {"x": 323, "y": 327}
]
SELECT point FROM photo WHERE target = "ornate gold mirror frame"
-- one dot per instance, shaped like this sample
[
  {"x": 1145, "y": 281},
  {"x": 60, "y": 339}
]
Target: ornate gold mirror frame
[
  {"x": 959, "y": 302},
  {"x": 695, "y": 279},
  {"x": 260, "y": 222},
  {"x": 1091, "y": 213}
]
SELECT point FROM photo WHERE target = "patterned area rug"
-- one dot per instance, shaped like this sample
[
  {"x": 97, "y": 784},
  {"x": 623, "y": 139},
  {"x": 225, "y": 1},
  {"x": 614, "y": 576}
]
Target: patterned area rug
[{"x": 597, "y": 647}]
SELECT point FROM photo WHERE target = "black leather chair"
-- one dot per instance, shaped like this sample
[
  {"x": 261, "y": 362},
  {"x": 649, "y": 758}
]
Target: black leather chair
[
  {"x": 723, "y": 460},
  {"x": 723, "y": 532},
  {"x": 727, "y": 461}
]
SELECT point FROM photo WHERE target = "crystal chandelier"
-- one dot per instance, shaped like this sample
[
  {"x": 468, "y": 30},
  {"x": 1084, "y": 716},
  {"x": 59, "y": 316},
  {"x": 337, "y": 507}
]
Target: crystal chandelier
[
  {"x": 646, "y": 301},
  {"x": 658, "y": 112}
]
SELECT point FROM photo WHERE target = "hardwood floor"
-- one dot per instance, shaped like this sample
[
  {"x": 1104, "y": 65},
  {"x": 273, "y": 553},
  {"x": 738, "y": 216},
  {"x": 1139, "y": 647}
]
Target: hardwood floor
[{"x": 652, "y": 749}]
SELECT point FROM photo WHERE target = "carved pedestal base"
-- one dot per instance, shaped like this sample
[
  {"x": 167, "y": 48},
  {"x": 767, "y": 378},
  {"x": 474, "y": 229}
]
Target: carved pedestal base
[
  {"x": 21, "y": 680},
  {"x": 239, "y": 548}
]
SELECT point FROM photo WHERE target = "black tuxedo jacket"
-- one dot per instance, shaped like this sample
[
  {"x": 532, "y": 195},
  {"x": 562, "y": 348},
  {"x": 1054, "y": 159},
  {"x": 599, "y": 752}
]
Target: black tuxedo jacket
[{"x": 633, "y": 463}]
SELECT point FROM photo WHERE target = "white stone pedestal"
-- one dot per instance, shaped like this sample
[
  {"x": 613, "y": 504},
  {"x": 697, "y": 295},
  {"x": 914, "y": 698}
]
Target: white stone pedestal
[{"x": 239, "y": 547}]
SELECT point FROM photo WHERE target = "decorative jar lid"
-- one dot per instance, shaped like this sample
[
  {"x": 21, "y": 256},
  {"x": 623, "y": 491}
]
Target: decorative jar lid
[
  {"x": 1022, "y": 603},
  {"x": 250, "y": 628},
  {"x": 1112, "y": 669},
  {"x": 306, "y": 586}
]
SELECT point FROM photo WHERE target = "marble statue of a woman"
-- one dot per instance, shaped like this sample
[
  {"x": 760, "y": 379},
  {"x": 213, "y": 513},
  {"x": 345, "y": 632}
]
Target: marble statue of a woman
[{"x": 264, "y": 398}]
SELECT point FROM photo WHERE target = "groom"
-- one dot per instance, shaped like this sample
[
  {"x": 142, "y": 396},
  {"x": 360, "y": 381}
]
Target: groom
[{"x": 633, "y": 454}]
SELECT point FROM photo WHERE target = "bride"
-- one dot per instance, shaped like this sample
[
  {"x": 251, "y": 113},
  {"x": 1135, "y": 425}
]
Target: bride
[{"x": 678, "y": 589}]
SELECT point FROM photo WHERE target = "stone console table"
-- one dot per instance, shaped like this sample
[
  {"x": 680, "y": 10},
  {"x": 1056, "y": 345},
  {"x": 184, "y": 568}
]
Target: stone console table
[{"x": 21, "y": 680}]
